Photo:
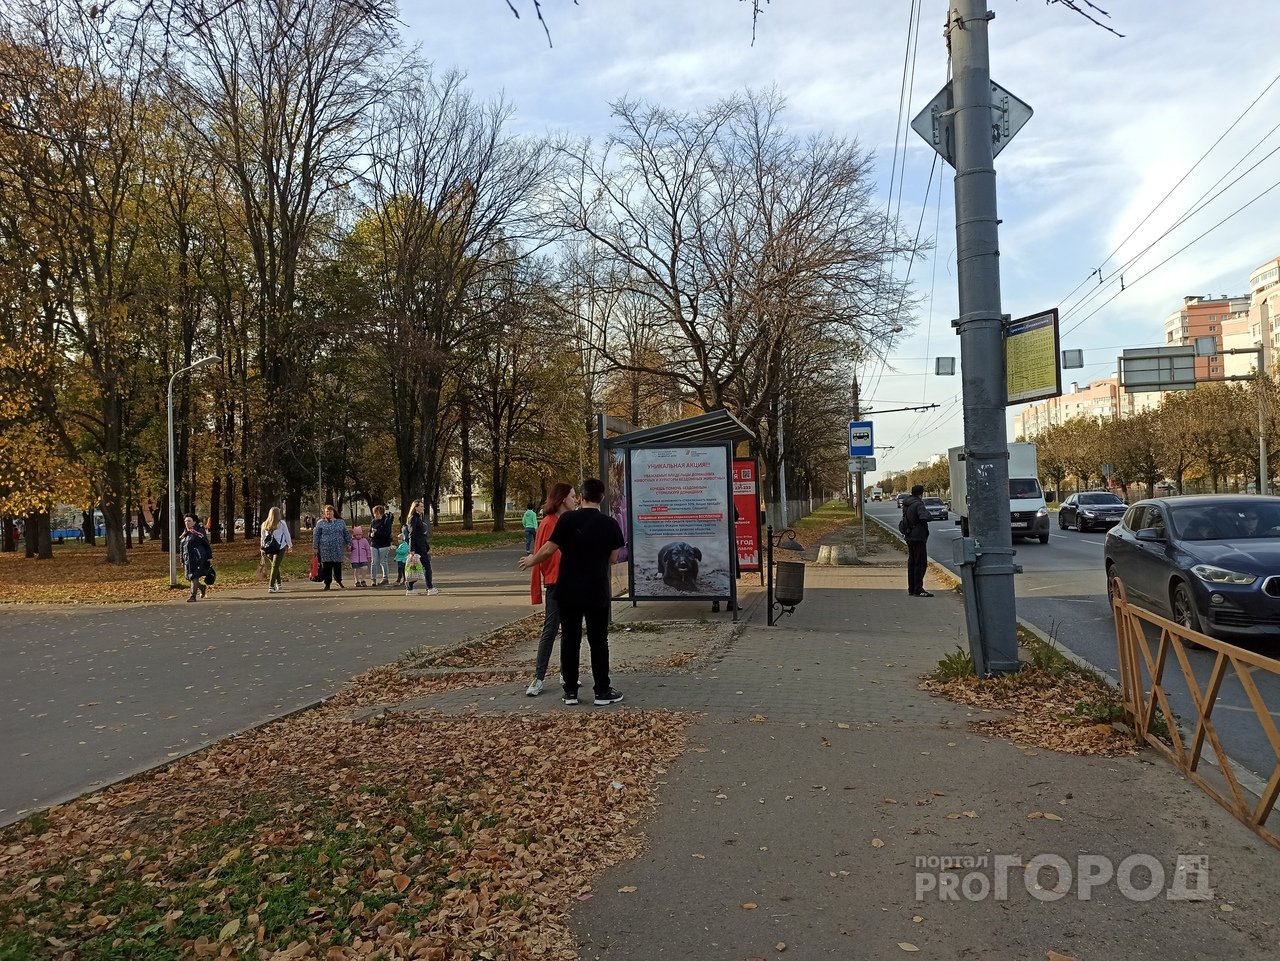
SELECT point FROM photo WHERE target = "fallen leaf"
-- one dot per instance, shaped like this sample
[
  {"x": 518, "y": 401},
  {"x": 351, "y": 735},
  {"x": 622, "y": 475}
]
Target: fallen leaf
[
  {"x": 1034, "y": 815},
  {"x": 907, "y": 946},
  {"x": 937, "y": 793},
  {"x": 1225, "y": 907},
  {"x": 877, "y": 843},
  {"x": 700, "y": 857},
  {"x": 629, "y": 889},
  {"x": 973, "y": 814},
  {"x": 401, "y": 882},
  {"x": 750, "y": 906},
  {"x": 229, "y": 929},
  {"x": 1052, "y": 817},
  {"x": 1055, "y": 956},
  {"x": 701, "y": 750},
  {"x": 953, "y": 817},
  {"x": 890, "y": 800},
  {"x": 780, "y": 946},
  {"x": 917, "y": 919}
]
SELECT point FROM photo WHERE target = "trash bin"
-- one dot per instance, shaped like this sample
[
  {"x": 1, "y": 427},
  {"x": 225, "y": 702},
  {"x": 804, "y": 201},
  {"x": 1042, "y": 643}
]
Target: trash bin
[{"x": 789, "y": 587}]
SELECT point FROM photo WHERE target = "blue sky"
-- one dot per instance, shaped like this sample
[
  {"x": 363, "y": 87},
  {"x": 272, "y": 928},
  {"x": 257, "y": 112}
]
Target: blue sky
[{"x": 1118, "y": 122}]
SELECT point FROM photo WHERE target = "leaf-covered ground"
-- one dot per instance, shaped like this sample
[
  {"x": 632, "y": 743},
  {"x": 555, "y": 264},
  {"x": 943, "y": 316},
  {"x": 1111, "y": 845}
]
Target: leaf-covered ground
[
  {"x": 1051, "y": 705},
  {"x": 78, "y": 574},
  {"x": 329, "y": 836}
]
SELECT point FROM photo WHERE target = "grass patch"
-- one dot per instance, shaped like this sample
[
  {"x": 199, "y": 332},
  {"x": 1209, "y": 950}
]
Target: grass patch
[
  {"x": 78, "y": 573},
  {"x": 957, "y": 664},
  {"x": 462, "y": 833}
]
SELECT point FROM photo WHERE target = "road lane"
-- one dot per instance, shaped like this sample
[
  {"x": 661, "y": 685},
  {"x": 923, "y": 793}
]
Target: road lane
[{"x": 1063, "y": 593}]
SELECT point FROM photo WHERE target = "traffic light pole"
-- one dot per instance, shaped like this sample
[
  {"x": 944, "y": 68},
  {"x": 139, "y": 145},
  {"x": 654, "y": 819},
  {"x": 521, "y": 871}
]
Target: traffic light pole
[{"x": 989, "y": 550}]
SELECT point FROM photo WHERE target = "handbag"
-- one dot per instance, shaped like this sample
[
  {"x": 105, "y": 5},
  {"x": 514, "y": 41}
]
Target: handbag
[
  {"x": 210, "y": 575},
  {"x": 315, "y": 567},
  {"x": 261, "y": 572}
]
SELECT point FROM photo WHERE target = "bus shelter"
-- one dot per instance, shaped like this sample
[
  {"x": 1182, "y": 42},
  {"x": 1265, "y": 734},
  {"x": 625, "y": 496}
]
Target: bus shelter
[{"x": 688, "y": 508}]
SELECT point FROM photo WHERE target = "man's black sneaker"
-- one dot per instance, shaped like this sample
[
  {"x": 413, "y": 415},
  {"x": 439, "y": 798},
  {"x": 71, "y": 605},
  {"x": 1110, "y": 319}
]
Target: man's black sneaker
[
  {"x": 608, "y": 697},
  {"x": 571, "y": 699},
  {"x": 924, "y": 594}
]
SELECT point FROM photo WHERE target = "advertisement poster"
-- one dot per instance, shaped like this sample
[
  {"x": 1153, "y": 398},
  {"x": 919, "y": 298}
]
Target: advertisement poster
[
  {"x": 746, "y": 500},
  {"x": 680, "y": 530}
]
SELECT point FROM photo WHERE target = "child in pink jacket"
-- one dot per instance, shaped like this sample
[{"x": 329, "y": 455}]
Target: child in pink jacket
[{"x": 361, "y": 555}]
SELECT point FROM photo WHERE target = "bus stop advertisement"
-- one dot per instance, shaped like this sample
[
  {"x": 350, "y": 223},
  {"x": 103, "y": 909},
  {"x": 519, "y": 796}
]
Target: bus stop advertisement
[{"x": 682, "y": 542}]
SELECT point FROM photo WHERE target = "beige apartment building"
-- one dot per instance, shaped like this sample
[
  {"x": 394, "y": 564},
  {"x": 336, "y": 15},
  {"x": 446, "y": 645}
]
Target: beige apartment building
[
  {"x": 1206, "y": 317},
  {"x": 1098, "y": 400}
]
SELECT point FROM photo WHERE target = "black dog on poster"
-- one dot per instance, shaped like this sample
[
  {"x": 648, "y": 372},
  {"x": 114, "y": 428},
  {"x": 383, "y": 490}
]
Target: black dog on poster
[{"x": 678, "y": 565}]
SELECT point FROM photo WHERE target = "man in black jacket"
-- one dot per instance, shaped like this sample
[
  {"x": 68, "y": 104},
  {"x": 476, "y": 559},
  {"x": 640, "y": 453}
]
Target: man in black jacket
[{"x": 917, "y": 538}]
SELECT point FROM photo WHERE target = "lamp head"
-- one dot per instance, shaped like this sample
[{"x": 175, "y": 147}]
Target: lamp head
[{"x": 206, "y": 361}]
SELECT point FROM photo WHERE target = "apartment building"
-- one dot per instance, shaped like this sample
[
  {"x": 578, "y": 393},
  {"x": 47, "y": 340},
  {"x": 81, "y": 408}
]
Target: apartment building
[
  {"x": 1098, "y": 400},
  {"x": 1264, "y": 308},
  {"x": 1204, "y": 317}
]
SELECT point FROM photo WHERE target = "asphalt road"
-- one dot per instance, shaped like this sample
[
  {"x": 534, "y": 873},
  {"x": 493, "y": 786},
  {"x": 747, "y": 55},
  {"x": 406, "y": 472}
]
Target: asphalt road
[
  {"x": 1063, "y": 592},
  {"x": 90, "y": 695}
]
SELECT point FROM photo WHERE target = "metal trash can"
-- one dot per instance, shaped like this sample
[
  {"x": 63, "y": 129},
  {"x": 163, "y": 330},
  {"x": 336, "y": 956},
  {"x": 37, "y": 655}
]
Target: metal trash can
[{"x": 789, "y": 588}]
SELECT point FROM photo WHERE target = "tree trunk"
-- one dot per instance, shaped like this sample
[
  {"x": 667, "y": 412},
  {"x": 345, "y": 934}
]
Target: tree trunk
[
  {"x": 88, "y": 528},
  {"x": 468, "y": 479},
  {"x": 215, "y": 505},
  {"x": 9, "y": 529},
  {"x": 128, "y": 523},
  {"x": 246, "y": 499},
  {"x": 44, "y": 539},
  {"x": 293, "y": 507},
  {"x": 31, "y": 535}
]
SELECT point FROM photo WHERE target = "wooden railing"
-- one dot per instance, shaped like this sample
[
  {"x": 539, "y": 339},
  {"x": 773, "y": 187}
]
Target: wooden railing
[{"x": 1143, "y": 666}]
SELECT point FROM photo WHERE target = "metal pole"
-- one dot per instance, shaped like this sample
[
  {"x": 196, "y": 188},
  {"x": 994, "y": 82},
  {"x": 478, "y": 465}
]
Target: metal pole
[
  {"x": 173, "y": 521},
  {"x": 782, "y": 468},
  {"x": 981, "y": 332},
  {"x": 173, "y": 548},
  {"x": 1260, "y": 383},
  {"x": 768, "y": 594}
]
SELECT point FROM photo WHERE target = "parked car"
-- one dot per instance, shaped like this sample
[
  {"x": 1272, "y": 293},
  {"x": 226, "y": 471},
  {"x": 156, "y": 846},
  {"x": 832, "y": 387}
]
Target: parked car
[
  {"x": 1210, "y": 562},
  {"x": 936, "y": 507},
  {"x": 1091, "y": 509}
]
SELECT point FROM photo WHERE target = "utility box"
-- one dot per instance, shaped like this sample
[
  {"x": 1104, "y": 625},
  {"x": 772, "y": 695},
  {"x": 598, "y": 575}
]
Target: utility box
[{"x": 1028, "y": 512}]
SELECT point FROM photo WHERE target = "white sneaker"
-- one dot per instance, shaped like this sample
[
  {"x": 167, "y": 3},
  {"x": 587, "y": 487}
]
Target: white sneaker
[
  {"x": 535, "y": 688},
  {"x": 273, "y": 590},
  {"x": 433, "y": 590},
  {"x": 410, "y": 593}
]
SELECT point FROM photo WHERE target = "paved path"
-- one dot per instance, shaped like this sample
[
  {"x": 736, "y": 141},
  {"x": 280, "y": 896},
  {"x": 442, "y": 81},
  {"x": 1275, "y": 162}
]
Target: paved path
[
  {"x": 819, "y": 774},
  {"x": 90, "y": 695}
]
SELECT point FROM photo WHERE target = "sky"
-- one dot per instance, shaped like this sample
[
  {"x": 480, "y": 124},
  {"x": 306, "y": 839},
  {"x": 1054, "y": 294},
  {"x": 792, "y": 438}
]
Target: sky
[{"x": 1139, "y": 157}]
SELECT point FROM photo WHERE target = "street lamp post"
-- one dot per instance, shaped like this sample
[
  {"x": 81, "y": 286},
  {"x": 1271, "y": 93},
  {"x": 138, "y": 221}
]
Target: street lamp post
[{"x": 173, "y": 527}]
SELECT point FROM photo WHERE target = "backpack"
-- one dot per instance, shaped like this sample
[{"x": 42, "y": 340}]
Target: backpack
[
  {"x": 271, "y": 546},
  {"x": 905, "y": 524}
]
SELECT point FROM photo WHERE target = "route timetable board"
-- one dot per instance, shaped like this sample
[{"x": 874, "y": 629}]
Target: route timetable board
[{"x": 1031, "y": 358}]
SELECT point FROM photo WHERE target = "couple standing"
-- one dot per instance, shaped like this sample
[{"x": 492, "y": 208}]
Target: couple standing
[{"x": 576, "y": 545}]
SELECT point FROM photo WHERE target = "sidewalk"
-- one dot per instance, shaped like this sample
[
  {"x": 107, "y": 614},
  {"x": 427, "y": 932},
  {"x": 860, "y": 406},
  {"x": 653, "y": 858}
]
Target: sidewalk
[{"x": 819, "y": 775}]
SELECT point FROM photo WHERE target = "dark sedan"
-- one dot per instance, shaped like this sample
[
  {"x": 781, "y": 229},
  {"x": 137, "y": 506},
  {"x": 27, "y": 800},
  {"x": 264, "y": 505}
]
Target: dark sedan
[
  {"x": 1210, "y": 562},
  {"x": 1091, "y": 509},
  {"x": 936, "y": 507}
]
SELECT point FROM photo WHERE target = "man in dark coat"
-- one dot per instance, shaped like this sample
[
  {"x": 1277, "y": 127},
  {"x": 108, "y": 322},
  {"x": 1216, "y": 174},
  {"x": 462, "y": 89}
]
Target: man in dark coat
[{"x": 917, "y": 537}]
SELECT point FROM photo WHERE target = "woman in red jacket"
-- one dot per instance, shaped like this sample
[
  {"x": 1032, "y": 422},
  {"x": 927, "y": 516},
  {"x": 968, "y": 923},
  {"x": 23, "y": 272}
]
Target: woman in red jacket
[{"x": 561, "y": 499}]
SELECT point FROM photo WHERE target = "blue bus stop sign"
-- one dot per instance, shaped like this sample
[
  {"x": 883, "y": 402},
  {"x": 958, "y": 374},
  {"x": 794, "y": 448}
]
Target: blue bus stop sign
[{"x": 860, "y": 440}]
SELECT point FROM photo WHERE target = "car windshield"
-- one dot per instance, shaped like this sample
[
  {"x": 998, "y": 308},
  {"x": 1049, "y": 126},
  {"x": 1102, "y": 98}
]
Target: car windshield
[
  {"x": 1214, "y": 522},
  {"x": 933, "y": 501},
  {"x": 1023, "y": 488},
  {"x": 1099, "y": 499}
]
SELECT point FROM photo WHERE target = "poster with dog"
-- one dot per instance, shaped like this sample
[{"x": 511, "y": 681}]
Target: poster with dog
[{"x": 681, "y": 522}]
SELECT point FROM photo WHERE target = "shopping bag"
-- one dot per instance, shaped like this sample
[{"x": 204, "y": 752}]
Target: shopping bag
[
  {"x": 261, "y": 572},
  {"x": 315, "y": 567}
]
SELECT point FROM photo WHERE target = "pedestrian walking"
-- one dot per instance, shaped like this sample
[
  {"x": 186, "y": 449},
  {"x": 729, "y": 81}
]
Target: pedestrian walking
[
  {"x": 418, "y": 543},
  {"x": 915, "y": 530},
  {"x": 361, "y": 555},
  {"x": 380, "y": 541},
  {"x": 588, "y": 542},
  {"x": 197, "y": 556},
  {"x": 402, "y": 556},
  {"x": 530, "y": 521},
  {"x": 274, "y": 541},
  {"x": 330, "y": 540},
  {"x": 542, "y": 588}
]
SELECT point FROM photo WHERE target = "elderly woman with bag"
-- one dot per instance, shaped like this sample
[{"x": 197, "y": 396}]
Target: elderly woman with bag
[
  {"x": 197, "y": 556},
  {"x": 330, "y": 540}
]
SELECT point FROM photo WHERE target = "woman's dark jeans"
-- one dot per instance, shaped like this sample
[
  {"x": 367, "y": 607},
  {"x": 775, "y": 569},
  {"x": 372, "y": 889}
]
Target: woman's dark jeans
[{"x": 550, "y": 624}]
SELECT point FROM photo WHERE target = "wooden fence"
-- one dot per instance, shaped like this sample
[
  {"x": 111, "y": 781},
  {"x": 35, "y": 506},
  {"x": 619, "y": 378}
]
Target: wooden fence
[{"x": 1145, "y": 671}]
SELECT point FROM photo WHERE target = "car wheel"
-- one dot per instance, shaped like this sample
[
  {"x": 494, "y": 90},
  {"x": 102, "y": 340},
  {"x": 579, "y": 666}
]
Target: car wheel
[
  {"x": 1062, "y": 524},
  {"x": 1184, "y": 611},
  {"x": 1044, "y": 538}
]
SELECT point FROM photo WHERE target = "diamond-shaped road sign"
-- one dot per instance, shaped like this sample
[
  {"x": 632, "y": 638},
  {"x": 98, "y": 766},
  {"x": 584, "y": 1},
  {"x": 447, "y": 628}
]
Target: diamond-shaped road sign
[{"x": 936, "y": 122}]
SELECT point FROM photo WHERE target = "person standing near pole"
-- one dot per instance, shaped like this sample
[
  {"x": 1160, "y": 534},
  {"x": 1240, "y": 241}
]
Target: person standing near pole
[
  {"x": 330, "y": 538},
  {"x": 588, "y": 542},
  {"x": 915, "y": 530},
  {"x": 197, "y": 555}
]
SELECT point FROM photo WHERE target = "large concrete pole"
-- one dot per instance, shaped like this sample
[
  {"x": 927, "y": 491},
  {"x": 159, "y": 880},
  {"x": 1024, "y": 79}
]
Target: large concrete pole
[{"x": 982, "y": 339}]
